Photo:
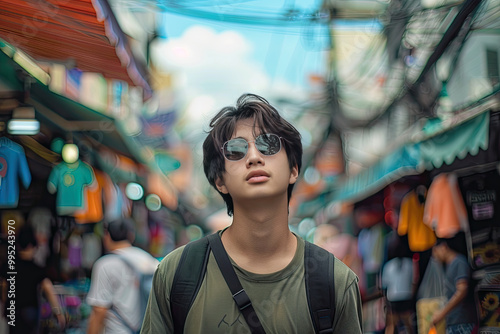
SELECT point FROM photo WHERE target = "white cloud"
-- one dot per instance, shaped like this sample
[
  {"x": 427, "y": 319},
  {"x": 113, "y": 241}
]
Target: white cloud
[{"x": 210, "y": 64}]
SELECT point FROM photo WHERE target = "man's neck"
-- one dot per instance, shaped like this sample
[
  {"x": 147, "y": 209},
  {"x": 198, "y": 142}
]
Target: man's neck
[
  {"x": 260, "y": 221},
  {"x": 260, "y": 240},
  {"x": 118, "y": 245}
]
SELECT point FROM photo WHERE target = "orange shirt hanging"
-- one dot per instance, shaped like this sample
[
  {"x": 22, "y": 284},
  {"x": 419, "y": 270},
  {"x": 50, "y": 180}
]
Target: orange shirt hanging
[{"x": 445, "y": 210}]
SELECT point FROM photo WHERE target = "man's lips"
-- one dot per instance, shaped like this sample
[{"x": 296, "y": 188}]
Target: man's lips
[{"x": 257, "y": 177}]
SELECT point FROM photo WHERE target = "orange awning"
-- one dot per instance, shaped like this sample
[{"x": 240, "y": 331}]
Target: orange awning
[{"x": 83, "y": 33}]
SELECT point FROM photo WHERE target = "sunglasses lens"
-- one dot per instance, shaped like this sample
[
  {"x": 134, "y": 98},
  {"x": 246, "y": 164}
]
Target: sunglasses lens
[
  {"x": 235, "y": 149},
  {"x": 268, "y": 144}
]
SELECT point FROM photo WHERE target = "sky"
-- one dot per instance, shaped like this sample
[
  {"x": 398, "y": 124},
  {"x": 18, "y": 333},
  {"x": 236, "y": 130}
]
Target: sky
[
  {"x": 214, "y": 62},
  {"x": 284, "y": 53}
]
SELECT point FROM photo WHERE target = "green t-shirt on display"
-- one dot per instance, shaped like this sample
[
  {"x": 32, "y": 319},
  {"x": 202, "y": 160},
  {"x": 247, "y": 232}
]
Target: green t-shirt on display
[
  {"x": 278, "y": 298},
  {"x": 69, "y": 181}
]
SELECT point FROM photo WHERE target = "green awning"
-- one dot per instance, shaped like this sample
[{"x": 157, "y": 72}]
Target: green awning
[
  {"x": 403, "y": 161},
  {"x": 457, "y": 142},
  {"x": 443, "y": 145}
]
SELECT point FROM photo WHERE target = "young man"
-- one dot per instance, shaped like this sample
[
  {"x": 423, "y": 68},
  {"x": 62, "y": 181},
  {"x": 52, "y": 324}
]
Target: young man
[
  {"x": 252, "y": 156},
  {"x": 459, "y": 311},
  {"x": 113, "y": 287}
]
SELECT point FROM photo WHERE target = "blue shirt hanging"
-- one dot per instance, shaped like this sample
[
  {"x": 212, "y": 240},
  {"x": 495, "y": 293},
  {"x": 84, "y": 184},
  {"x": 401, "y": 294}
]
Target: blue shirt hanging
[{"x": 13, "y": 166}]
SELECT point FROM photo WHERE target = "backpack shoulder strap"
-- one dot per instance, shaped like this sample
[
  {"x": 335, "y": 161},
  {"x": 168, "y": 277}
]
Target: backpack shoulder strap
[
  {"x": 319, "y": 266},
  {"x": 187, "y": 281},
  {"x": 239, "y": 294}
]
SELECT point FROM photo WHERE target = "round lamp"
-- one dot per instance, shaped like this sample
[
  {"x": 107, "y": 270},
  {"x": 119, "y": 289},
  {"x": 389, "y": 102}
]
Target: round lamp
[
  {"x": 153, "y": 202},
  {"x": 134, "y": 191},
  {"x": 70, "y": 153}
]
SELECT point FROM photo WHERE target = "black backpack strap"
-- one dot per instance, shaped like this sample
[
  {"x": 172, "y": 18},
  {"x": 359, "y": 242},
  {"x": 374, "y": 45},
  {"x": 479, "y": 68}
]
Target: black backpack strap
[
  {"x": 187, "y": 281},
  {"x": 319, "y": 266},
  {"x": 239, "y": 294}
]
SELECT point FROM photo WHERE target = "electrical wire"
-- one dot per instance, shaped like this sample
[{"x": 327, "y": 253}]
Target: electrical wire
[
  {"x": 482, "y": 22},
  {"x": 293, "y": 17},
  {"x": 407, "y": 89}
]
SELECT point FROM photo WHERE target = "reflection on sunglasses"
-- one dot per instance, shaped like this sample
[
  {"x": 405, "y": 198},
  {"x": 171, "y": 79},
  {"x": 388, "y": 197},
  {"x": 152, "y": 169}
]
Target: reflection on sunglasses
[{"x": 237, "y": 148}]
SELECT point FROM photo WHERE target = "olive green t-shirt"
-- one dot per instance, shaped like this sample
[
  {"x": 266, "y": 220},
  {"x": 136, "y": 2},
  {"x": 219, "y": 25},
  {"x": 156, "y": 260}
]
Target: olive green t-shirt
[{"x": 279, "y": 300}]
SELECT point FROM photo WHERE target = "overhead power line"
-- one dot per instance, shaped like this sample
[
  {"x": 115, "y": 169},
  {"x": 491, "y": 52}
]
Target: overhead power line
[{"x": 226, "y": 12}]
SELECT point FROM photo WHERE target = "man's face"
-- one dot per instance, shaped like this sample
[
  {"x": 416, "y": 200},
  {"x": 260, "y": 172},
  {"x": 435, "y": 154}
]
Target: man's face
[{"x": 256, "y": 176}]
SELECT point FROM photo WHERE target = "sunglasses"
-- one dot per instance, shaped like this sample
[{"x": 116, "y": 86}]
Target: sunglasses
[{"x": 237, "y": 148}]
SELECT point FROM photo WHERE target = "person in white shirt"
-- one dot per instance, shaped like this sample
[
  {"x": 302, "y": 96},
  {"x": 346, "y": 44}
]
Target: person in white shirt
[{"x": 114, "y": 292}]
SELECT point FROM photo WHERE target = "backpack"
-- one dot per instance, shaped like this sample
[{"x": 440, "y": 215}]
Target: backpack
[
  {"x": 319, "y": 280},
  {"x": 145, "y": 281}
]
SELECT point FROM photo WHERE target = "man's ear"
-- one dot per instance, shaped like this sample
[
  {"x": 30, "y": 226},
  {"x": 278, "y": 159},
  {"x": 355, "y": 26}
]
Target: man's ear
[
  {"x": 294, "y": 174},
  {"x": 221, "y": 186}
]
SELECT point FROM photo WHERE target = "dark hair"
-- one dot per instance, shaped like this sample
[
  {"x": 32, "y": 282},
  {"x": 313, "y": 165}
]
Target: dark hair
[
  {"x": 266, "y": 118},
  {"x": 26, "y": 237},
  {"x": 456, "y": 243},
  {"x": 120, "y": 229}
]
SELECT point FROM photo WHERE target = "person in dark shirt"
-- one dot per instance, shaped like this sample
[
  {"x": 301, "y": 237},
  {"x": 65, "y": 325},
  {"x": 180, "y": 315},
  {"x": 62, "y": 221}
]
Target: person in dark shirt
[
  {"x": 21, "y": 293},
  {"x": 459, "y": 310}
]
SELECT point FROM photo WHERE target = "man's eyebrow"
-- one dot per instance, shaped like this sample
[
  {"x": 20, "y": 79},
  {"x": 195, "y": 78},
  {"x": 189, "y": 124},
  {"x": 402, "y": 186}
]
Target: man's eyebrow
[{"x": 239, "y": 137}]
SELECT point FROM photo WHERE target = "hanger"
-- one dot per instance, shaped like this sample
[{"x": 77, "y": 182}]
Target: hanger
[{"x": 421, "y": 192}]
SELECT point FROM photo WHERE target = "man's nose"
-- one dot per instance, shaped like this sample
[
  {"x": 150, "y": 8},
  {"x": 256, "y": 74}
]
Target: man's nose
[{"x": 253, "y": 155}]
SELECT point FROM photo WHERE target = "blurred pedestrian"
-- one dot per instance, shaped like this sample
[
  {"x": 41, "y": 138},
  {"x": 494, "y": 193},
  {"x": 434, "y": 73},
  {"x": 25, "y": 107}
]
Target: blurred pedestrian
[
  {"x": 28, "y": 280},
  {"x": 114, "y": 290},
  {"x": 399, "y": 284},
  {"x": 459, "y": 311},
  {"x": 252, "y": 157}
]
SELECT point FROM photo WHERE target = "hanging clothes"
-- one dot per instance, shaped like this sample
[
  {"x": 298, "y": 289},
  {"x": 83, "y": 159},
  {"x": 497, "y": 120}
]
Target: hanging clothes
[
  {"x": 411, "y": 221},
  {"x": 69, "y": 181},
  {"x": 371, "y": 247},
  {"x": 13, "y": 166},
  {"x": 397, "y": 278},
  {"x": 114, "y": 201},
  {"x": 92, "y": 211},
  {"x": 75, "y": 250},
  {"x": 42, "y": 220},
  {"x": 91, "y": 249},
  {"x": 444, "y": 209}
]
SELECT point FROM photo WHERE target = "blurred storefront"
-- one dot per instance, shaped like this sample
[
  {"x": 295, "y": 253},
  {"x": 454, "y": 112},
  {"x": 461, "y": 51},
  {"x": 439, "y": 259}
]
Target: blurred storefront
[
  {"x": 72, "y": 95},
  {"x": 415, "y": 101}
]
